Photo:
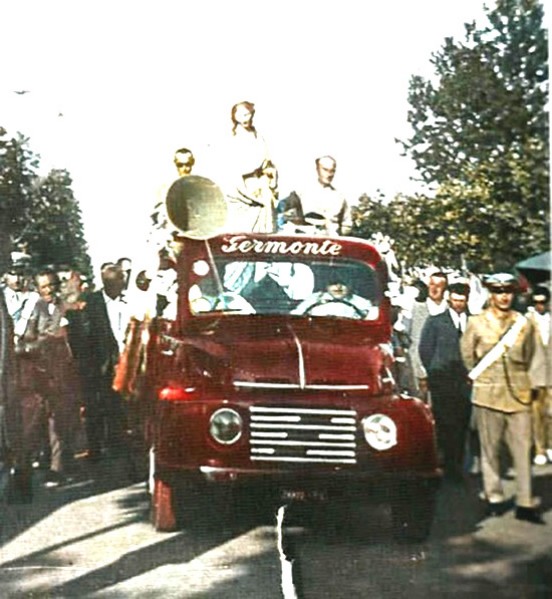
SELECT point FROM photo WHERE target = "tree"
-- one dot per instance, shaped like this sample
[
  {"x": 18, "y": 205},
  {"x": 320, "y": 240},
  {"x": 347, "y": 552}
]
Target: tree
[
  {"x": 480, "y": 134},
  {"x": 17, "y": 171},
  {"x": 55, "y": 233},
  {"x": 410, "y": 223},
  {"x": 39, "y": 214}
]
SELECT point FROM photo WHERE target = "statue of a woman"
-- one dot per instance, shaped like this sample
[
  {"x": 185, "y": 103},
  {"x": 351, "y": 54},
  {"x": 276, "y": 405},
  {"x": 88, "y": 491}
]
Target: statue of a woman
[{"x": 251, "y": 178}]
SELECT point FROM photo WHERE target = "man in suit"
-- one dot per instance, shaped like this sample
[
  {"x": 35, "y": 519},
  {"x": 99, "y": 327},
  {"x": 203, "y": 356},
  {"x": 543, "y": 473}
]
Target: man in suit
[
  {"x": 435, "y": 303},
  {"x": 50, "y": 372},
  {"x": 448, "y": 383},
  {"x": 106, "y": 318}
]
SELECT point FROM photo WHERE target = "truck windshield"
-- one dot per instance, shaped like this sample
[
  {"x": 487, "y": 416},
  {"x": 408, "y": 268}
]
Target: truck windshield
[{"x": 340, "y": 288}]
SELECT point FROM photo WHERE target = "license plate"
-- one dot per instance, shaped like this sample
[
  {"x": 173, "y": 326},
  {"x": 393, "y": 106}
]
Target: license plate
[{"x": 304, "y": 495}]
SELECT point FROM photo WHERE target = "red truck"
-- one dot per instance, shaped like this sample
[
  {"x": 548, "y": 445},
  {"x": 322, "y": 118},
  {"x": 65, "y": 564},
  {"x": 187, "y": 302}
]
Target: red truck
[{"x": 278, "y": 372}]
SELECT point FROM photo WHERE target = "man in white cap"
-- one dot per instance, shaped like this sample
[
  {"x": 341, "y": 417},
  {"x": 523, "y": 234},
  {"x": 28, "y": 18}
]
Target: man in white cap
[{"x": 497, "y": 349}]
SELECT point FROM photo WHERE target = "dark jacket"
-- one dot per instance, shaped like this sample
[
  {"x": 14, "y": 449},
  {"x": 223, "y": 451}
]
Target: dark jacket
[
  {"x": 439, "y": 347},
  {"x": 10, "y": 408},
  {"x": 103, "y": 351}
]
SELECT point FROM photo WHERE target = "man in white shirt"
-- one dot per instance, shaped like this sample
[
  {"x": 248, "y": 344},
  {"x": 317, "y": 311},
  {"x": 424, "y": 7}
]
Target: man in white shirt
[
  {"x": 13, "y": 293},
  {"x": 106, "y": 318},
  {"x": 20, "y": 303},
  {"x": 118, "y": 315},
  {"x": 540, "y": 374},
  {"x": 319, "y": 209},
  {"x": 337, "y": 300},
  {"x": 16, "y": 297},
  {"x": 161, "y": 234}
]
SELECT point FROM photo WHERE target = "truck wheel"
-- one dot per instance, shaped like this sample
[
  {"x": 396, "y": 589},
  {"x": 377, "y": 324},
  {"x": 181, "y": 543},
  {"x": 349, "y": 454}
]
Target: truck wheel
[
  {"x": 163, "y": 506},
  {"x": 412, "y": 510}
]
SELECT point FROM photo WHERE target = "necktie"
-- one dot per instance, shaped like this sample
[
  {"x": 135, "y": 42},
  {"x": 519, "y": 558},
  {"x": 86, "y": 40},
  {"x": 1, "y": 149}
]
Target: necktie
[{"x": 459, "y": 325}]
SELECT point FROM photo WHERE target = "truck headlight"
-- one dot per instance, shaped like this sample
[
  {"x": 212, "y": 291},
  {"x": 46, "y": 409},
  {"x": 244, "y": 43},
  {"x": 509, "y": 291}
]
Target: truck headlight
[
  {"x": 380, "y": 431},
  {"x": 225, "y": 426}
]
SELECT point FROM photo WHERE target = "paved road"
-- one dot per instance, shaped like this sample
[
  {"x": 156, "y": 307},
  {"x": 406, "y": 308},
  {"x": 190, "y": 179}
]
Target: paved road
[{"x": 92, "y": 538}]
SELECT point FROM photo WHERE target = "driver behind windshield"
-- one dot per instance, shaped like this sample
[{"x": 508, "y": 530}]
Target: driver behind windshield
[{"x": 339, "y": 300}]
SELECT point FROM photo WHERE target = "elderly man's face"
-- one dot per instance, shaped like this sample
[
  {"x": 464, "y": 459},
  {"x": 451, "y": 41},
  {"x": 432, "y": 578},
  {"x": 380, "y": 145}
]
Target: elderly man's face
[
  {"x": 114, "y": 282},
  {"x": 47, "y": 287},
  {"x": 436, "y": 288},
  {"x": 326, "y": 171}
]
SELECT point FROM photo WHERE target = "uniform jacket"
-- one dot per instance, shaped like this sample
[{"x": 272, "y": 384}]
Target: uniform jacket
[{"x": 491, "y": 389}]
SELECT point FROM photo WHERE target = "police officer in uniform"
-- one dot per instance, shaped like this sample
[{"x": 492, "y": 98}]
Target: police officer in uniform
[{"x": 497, "y": 348}]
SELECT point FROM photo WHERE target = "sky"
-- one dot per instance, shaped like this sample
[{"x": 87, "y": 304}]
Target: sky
[{"x": 114, "y": 87}]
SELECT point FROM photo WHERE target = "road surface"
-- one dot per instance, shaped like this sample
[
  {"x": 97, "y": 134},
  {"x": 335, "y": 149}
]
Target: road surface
[{"x": 92, "y": 538}]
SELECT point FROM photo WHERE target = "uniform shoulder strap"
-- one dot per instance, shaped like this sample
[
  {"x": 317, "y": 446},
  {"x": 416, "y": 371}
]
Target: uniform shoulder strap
[{"x": 503, "y": 344}]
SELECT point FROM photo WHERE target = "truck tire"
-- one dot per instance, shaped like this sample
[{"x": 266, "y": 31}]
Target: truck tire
[
  {"x": 163, "y": 506},
  {"x": 412, "y": 510}
]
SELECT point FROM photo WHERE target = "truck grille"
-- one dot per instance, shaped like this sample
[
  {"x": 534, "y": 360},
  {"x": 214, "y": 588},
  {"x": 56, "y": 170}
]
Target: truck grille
[{"x": 303, "y": 435}]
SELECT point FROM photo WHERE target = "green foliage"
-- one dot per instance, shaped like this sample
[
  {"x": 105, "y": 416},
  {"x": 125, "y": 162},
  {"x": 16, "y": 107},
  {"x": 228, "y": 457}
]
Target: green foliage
[
  {"x": 480, "y": 138},
  {"x": 55, "y": 235},
  {"x": 410, "y": 222},
  {"x": 17, "y": 172},
  {"x": 39, "y": 215}
]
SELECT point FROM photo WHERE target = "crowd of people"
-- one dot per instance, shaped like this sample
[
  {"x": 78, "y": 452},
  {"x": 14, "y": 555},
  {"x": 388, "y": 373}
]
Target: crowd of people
[
  {"x": 486, "y": 373},
  {"x": 66, "y": 341},
  {"x": 459, "y": 344}
]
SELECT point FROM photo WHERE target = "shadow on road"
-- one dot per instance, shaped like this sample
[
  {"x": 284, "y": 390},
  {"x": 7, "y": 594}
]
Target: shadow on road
[
  {"x": 49, "y": 569},
  {"x": 85, "y": 480},
  {"x": 338, "y": 549}
]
